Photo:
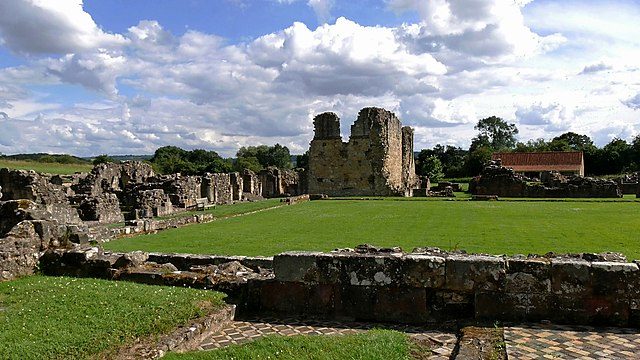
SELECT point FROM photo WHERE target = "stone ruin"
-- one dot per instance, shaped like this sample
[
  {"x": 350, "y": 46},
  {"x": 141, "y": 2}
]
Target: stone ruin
[
  {"x": 501, "y": 181},
  {"x": 376, "y": 161},
  {"x": 425, "y": 286},
  {"x": 41, "y": 211}
]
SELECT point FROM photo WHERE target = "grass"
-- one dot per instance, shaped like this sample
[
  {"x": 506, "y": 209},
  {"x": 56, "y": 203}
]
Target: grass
[
  {"x": 501, "y": 227},
  {"x": 221, "y": 211},
  {"x": 44, "y": 167},
  {"x": 374, "y": 344},
  {"x": 70, "y": 318}
]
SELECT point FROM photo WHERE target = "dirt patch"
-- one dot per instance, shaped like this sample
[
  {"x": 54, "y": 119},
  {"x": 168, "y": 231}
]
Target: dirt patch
[{"x": 485, "y": 343}]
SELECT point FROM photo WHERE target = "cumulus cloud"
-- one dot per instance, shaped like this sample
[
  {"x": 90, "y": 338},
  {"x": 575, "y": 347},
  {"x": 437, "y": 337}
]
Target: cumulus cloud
[
  {"x": 633, "y": 102},
  {"x": 594, "y": 68},
  {"x": 322, "y": 8},
  {"x": 488, "y": 29},
  {"x": 554, "y": 117},
  {"x": 51, "y": 27}
]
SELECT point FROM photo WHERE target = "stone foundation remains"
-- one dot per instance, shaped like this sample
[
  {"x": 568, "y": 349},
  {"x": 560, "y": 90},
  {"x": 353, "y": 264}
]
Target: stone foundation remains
[
  {"x": 377, "y": 160},
  {"x": 387, "y": 285},
  {"x": 504, "y": 182}
]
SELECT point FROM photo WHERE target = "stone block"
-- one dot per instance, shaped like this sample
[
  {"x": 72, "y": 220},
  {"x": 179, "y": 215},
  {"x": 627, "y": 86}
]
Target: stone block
[
  {"x": 450, "y": 305},
  {"x": 474, "y": 272},
  {"x": 512, "y": 306},
  {"x": 528, "y": 276},
  {"x": 400, "y": 304},
  {"x": 372, "y": 270},
  {"x": 295, "y": 266},
  {"x": 280, "y": 297},
  {"x": 570, "y": 277},
  {"x": 424, "y": 271},
  {"x": 613, "y": 278}
]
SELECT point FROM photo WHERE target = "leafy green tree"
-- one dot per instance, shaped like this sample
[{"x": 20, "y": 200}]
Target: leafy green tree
[
  {"x": 476, "y": 160},
  {"x": 302, "y": 161},
  {"x": 431, "y": 167},
  {"x": 495, "y": 133},
  {"x": 249, "y": 162},
  {"x": 102, "y": 159},
  {"x": 172, "y": 159},
  {"x": 276, "y": 155}
]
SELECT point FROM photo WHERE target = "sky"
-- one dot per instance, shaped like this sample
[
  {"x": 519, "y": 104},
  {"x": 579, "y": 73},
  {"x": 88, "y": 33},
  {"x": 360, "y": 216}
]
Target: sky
[{"x": 126, "y": 77}]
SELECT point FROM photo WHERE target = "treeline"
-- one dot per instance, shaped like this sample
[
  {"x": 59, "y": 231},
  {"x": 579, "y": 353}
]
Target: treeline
[
  {"x": 496, "y": 135},
  {"x": 172, "y": 159}
]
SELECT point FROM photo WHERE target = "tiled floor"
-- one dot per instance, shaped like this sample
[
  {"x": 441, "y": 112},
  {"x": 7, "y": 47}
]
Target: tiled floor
[
  {"x": 239, "y": 332},
  {"x": 571, "y": 342}
]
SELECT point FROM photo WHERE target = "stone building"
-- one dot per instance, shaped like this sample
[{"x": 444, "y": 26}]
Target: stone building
[{"x": 377, "y": 159}]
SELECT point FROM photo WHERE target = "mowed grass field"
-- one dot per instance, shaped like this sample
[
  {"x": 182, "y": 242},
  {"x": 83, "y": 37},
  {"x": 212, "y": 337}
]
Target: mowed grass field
[
  {"x": 43, "y": 167},
  {"x": 502, "y": 227},
  {"x": 69, "y": 318}
]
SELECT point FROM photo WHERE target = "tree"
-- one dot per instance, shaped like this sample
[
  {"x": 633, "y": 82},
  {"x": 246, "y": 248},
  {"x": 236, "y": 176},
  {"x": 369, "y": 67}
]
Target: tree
[
  {"x": 477, "y": 159},
  {"x": 102, "y": 159},
  {"x": 302, "y": 161},
  {"x": 266, "y": 156},
  {"x": 432, "y": 168},
  {"x": 496, "y": 133},
  {"x": 571, "y": 141},
  {"x": 533, "y": 146},
  {"x": 172, "y": 159}
]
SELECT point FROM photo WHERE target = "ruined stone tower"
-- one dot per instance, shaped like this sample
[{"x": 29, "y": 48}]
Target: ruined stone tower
[{"x": 377, "y": 160}]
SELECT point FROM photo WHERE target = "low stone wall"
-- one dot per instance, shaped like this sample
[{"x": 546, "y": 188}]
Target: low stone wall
[
  {"x": 433, "y": 286},
  {"x": 387, "y": 285}
]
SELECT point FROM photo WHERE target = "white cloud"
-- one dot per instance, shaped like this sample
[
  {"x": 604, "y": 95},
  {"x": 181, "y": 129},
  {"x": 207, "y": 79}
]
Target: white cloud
[
  {"x": 633, "y": 102},
  {"x": 51, "y": 27},
  {"x": 489, "y": 29},
  {"x": 594, "y": 68},
  {"x": 440, "y": 75},
  {"x": 554, "y": 117},
  {"x": 322, "y": 8}
]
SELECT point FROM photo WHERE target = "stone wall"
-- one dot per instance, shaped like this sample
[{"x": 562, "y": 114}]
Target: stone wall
[
  {"x": 104, "y": 208},
  {"x": 377, "y": 160},
  {"x": 217, "y": 188},
  {"x": 251, "y": 185},
  {"x": 504, "y": 182},
  {"x": 387, "y": 285},
  {"x": 29, "y": 185},
  {"x": 431, "y": 286},
  {"x": 280, "y": 182}
]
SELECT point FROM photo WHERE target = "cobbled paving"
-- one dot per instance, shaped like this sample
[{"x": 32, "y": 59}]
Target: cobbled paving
[
  {"x": 571, "y": 342},
  {"x": 240, "y": 332}
]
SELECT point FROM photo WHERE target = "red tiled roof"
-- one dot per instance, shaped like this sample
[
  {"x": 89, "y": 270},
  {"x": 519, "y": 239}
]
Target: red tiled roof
[{"x": 541, "y": 161}]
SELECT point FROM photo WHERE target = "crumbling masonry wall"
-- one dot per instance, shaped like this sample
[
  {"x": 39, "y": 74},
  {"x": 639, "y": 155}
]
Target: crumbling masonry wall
[
  {"x": 369, "y": 284},
  {"x": 377, "y": 160}
]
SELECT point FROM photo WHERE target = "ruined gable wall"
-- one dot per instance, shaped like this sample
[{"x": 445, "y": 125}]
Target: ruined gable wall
[{"x": 371, "y": 163}]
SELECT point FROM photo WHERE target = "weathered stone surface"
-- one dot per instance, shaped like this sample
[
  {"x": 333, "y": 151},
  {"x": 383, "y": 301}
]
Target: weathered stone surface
[
  {"x": 528, "y": 276},
  {"x": 113, "y": 177},
  {"x": 294, "y": 266},
  {"x": 424, "y": 271},
  {"x": 504, "y": 182},
  {"x": 570, "y": 277},
  {"x": 375, "y": 161},
  {"x": 474, "y": 272},
  {"x": 132, "y": 259},
  {"x": 104, "y": 208},
  {"x": 29, "y": 185},
  {"x": 251, "y": 186},
  {"x": 217, "y": 188},
  {"x": 148, "y": 204},
  {"x": 279, "y": 182}
]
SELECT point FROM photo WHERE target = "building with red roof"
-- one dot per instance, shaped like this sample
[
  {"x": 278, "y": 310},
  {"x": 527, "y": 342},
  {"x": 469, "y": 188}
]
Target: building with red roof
[{"x": 564, "y": 162}]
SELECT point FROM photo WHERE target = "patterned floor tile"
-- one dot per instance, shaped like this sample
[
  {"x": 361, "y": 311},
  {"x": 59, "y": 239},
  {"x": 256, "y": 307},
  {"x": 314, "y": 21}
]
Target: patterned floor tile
[{"x": 564, "y": 342}]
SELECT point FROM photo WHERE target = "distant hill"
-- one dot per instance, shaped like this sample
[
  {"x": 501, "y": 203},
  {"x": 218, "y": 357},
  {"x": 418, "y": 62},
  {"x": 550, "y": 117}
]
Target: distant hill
[{"x": 48, "y": 158}]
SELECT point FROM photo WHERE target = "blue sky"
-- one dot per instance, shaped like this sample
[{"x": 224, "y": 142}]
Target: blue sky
[{"x": 119, "y": 76}]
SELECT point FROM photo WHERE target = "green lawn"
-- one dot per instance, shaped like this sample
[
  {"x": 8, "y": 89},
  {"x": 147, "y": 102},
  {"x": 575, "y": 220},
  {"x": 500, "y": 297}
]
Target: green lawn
[
  {"x": 221, "y": 211},
  {"x": 42, "y": 167},
  {"x": 69, "y": 318},
  {"x": 374, "y": 344},
  {"x": 488, "y": 227}
]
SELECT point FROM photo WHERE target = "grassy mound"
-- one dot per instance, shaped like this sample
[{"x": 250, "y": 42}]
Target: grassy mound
[
  {"x": 70, "y": 318},
  {"x": 45, "y": 167}
]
